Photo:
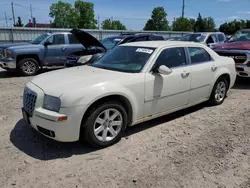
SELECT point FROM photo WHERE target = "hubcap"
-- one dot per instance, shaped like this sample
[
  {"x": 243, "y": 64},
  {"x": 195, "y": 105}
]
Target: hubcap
[
  {"x": 29, "y": 67},
  {"x": 108, "y": 124},
  {"x": 220, "y": 91}
]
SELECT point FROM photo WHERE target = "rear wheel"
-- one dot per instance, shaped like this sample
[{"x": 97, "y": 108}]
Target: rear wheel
[
  {"x": 219, "y": 92},
  {"x": 105, "y": 124},
  {"x": 28, "y": 66}
]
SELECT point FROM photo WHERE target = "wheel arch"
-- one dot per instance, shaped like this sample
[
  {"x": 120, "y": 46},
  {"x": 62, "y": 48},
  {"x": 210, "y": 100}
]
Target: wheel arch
[
  {"x": 126, "y": 103},
  {"x": 33, "y": 56}
]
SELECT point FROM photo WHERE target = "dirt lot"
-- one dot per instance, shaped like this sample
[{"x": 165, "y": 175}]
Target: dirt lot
[{"x": 199, "y": 147}]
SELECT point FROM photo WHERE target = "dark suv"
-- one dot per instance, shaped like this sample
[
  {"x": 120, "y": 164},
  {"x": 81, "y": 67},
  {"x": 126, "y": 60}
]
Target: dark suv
[{"x": 95, "y": 49}]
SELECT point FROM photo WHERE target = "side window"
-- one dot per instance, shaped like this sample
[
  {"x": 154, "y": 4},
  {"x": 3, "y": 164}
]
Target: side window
[
  {"x": 57, "y": 39},
  {"x": 156, "y": 37},
  {"x": 172, "y": 57},
  {"x": 221, "y": 37},
  {"x": 198, "y": 55},
  {"x": 72, "y": 39}
]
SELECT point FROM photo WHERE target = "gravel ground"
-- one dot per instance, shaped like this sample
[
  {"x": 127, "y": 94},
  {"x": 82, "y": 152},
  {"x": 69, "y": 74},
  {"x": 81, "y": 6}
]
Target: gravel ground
[{"x": 198, "y": 147}]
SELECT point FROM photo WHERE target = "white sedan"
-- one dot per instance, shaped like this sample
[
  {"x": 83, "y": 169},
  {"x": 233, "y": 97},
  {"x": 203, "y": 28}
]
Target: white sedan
[{"x": 133, "y": 83}]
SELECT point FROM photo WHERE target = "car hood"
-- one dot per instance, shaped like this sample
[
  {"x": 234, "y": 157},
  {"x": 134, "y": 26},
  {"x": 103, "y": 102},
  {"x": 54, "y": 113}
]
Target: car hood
[
  {"x": 13, "y": 44},
  {"x": 58, "y": 82},
  {"x": 86, "y": 39},
  {"x": 234, "y": 46},
  {"x": 24, "y": 46}
]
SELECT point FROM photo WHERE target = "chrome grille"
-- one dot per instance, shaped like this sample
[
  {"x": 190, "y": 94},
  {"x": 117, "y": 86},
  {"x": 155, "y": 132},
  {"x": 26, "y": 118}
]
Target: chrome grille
[{"x": 29, "y": 100}]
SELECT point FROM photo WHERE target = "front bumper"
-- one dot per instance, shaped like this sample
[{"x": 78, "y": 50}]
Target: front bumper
[
  {"x": 8, "y": 63},
  {"x": 46, "y": 121},
  {"x": 243, "y": 70}
]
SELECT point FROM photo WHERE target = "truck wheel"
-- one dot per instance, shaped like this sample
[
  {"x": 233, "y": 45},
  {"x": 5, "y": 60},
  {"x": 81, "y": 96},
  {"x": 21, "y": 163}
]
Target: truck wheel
[
  {"x": 28, "y": 66},
  {"x": 105, "y": 124},
  {"x": 219, "y": 92}
]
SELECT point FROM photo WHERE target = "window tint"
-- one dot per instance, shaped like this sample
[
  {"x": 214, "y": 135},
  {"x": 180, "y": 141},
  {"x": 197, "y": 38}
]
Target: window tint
[
  {"x": 221, "y": 37},
  {"x": 57, "y": 39},
  {"x": 72, "y": 39},
  {"x": 198, "y": 55},
  {"x": 172, "y": 57}
]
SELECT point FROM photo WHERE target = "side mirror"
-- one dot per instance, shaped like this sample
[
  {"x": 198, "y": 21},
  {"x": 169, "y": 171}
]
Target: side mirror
[
  {"x": 164, "y": 70},
  {"x": 47, "y": 43}
]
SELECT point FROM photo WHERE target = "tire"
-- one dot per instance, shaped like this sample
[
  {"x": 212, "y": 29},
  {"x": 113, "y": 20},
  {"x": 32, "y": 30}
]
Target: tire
[
  {"x": 28, "y": 66},
  {"x": 97, "y": 121},
  {"x": 219, "y": 92}
]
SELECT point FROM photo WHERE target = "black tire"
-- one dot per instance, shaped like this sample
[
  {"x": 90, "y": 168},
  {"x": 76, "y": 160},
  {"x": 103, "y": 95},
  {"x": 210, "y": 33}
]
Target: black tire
[
  {"x": 213, "y": 100},
  {"x": 34, "y": 66},
  {"x": 87, "y": 129}
]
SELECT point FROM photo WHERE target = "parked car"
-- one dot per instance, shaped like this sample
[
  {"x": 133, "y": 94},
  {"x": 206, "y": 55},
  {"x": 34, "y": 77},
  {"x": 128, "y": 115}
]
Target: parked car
[
  {"x": 46, "y": 50},
  {"x": 238, "y": 47},
  {"x": 133, "y": 83},
  {"x": 210, "y": 39},
  {"x": 96, "y": 49}
]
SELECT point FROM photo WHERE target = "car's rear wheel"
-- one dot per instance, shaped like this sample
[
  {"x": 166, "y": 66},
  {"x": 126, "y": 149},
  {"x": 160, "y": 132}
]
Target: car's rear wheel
[
  {"x": 105, "y": 124},
  {"x": 219, "y": 92},
  {"x": 28, "y": 66}
]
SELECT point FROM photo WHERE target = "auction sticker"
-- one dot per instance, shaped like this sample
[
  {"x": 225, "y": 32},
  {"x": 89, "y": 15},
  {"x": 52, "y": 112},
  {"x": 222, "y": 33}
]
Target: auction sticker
[{"x": 144, "y": 50}]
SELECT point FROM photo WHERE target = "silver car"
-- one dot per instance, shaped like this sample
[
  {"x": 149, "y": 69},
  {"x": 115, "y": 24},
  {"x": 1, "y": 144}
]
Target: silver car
[{"x": 210, "y": 39}]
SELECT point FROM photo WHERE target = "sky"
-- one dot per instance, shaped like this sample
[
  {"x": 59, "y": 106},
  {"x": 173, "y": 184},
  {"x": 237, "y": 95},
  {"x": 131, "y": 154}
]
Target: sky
[{"x": 133, "y": 13}]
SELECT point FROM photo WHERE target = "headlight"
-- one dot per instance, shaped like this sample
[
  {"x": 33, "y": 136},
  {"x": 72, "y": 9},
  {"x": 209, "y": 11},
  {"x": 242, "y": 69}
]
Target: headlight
[{"x": 52, "y": 103}]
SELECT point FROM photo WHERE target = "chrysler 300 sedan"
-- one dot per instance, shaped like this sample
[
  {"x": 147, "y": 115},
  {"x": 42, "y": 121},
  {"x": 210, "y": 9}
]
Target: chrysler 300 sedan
[{"x": 131, "y": 84}]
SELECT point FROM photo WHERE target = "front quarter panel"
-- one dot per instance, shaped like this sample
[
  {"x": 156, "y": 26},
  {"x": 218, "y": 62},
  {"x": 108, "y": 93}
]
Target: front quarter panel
[{"x": 132, "y": 89}]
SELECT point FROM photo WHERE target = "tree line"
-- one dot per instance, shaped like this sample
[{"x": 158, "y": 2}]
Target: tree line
[{"x": 82, "y": 15}]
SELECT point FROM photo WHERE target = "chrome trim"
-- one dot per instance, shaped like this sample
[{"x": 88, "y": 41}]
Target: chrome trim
[{"x": 245, "y": 68}]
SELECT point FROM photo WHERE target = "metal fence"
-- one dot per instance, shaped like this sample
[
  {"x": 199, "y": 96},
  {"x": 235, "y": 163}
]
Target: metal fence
[{"x": 8, "y": 35}]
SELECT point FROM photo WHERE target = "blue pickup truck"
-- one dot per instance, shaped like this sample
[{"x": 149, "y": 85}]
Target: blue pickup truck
[{"x": 49, "y": 49}]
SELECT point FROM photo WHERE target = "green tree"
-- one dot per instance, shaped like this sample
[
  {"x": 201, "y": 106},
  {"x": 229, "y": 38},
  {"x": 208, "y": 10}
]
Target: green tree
[
  {"x": 199, "y": 25},
  {"x": 158, "y": 20},
  {"x": 86, "y": 14},
  {"x": 109, "y": 24},
  {"x": 232, "y": 27},
  {"x": 64, "y": 15},
  {"x": 19, "y": 22},
  {"x": 193, "y": 23},
  {"x": 182, "y": 24},
  {"x": 209, "y": 24}
]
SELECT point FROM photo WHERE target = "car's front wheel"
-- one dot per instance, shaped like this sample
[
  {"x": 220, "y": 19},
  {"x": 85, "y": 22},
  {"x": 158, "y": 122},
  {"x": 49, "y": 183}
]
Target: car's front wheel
[
  {"x": 219, "y": 92},
  {"x": 105, "y": 124},
  {"x": 28, "y": 66}
]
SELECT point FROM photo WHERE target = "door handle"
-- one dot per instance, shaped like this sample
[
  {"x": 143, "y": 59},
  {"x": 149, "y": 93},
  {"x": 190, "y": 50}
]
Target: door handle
[
  {"x": 185, "y": 74},
  {"x": 63, "y": 48},
  {"x": 213, "y": 68}
]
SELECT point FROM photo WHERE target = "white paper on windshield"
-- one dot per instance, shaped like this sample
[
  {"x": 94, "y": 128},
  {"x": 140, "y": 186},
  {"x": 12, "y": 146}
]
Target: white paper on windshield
[{"x": 144, "y": 50}]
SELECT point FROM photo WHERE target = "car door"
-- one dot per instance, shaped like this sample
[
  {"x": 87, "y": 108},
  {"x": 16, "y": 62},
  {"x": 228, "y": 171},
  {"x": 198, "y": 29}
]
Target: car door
[
  {"x": 168, "y": 92},
  {"x": 203, "y": 69},
  {"x": 54, "y": 53}
]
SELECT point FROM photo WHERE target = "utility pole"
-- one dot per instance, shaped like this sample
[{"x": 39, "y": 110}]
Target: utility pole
[
  {"x": 183, "y": 8},
  {"x": 13, "y": 13},
  {"x": 98, "y": 22},
  {"x": 6, "y": 19},
  {"x": 31, "y": 15}
]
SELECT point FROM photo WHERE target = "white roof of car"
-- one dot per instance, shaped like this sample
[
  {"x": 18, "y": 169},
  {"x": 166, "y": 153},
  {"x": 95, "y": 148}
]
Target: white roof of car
[{"x": 156, "y": 44}]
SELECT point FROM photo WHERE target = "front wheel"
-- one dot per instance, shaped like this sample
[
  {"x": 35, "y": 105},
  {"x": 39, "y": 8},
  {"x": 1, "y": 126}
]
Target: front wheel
[
  {"x": 105, "y": 124},
  {"x": 219, "y": 92},
  {"x": 28, "y": 66}
]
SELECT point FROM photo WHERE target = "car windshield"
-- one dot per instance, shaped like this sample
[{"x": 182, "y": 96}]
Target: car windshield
[
  {"x": 240, "y": 36},
  {"x": 125, "y": 59},
  {"x": 193, "y": 37},
  {"x": 39, "y": 39},
  {"x": 110, "y": 42}
]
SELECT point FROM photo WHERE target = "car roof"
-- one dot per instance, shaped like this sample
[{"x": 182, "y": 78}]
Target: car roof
[
  {"x": 156, "y": 44},
  {"x": 207, "y": 33}
]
